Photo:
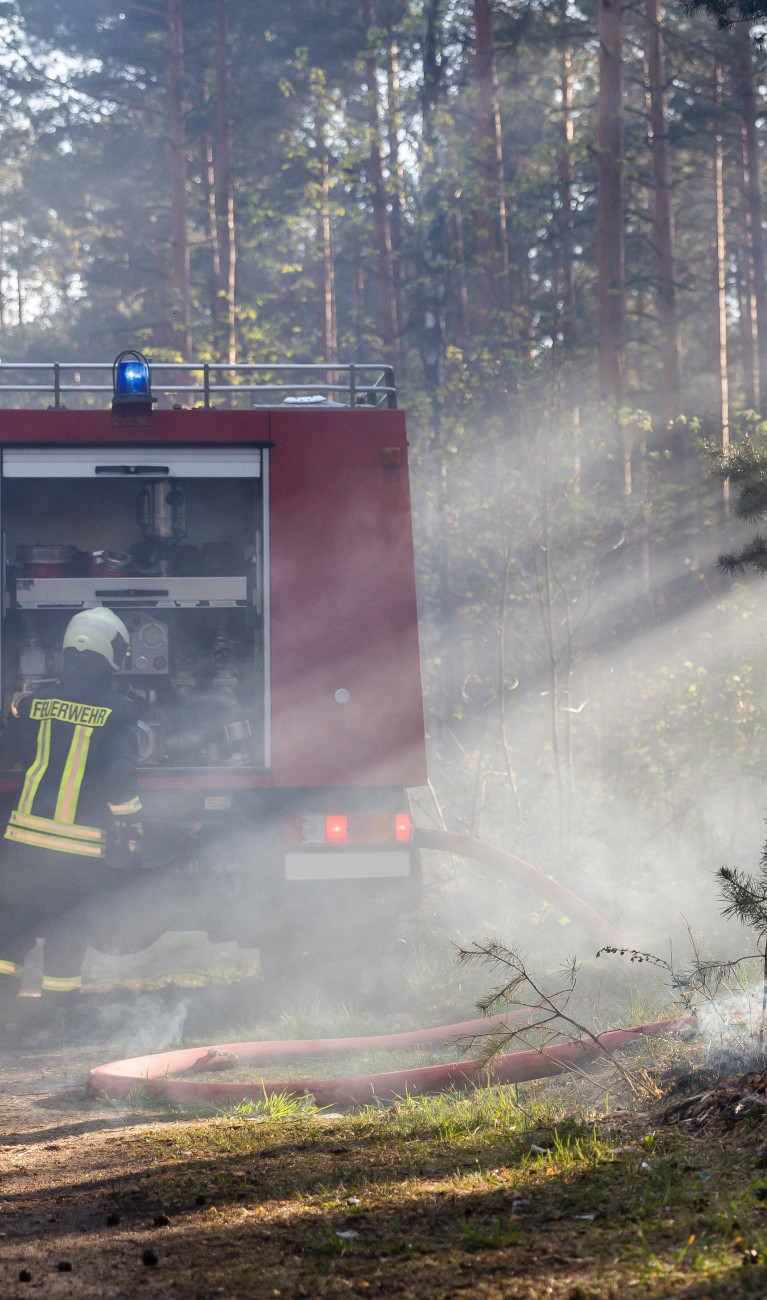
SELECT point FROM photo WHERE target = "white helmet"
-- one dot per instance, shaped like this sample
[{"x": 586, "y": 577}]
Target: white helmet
[{"x": 101, "y": 631}]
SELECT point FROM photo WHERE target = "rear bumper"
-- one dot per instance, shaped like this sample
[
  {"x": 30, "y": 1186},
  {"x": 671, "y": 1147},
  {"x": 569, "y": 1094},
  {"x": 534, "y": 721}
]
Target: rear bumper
[{"x": 357, "y": 864}]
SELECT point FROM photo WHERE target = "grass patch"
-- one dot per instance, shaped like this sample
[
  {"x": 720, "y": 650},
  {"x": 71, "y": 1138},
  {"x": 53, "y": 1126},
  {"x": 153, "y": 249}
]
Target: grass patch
[{"x": 492, "y": 1183}]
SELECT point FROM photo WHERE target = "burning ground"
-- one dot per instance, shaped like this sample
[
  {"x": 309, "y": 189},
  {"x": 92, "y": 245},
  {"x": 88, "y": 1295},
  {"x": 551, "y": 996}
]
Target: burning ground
[{"x": 526, "y": 1192}]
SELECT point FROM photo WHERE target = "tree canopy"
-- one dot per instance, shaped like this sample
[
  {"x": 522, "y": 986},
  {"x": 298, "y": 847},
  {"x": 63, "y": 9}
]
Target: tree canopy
[{"x": 727, "y": 12}]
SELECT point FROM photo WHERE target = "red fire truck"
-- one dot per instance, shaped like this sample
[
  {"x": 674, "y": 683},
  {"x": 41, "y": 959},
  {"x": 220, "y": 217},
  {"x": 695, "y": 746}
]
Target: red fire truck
[{"x": 251, "y": 526}]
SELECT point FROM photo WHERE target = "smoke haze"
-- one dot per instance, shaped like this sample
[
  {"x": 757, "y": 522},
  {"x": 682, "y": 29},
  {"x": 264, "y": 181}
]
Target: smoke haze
[{"x": 595, "y": 695}]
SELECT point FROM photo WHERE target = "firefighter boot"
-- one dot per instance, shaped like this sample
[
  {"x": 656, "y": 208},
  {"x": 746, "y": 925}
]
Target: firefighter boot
[
  {"x": 9, "y": 989},
  {"x": 25, "y": 1021},
  {"x": 59, "y": 1015},
  {"x": 46, "y": 1021}
]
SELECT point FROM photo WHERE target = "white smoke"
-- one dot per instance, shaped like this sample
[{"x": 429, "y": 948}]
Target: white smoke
[
  {"x": 144, "y": 1024},
  {"x": 733, "y": 1029}
]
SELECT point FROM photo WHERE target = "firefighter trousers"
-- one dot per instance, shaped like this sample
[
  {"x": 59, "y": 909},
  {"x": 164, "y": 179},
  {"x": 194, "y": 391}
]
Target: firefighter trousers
[{"x": 59, "y": 897}]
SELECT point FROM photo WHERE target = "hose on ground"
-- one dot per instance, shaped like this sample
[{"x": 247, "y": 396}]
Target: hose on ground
[{"x": 154, "y": 1074}]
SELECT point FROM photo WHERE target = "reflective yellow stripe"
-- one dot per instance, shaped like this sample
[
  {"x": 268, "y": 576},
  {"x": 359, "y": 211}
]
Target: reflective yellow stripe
[
  {"x": 74, "y": 770},
  {"x": 11, "y": 968},
  {"x": 58, "y": 842},
  {"x": 36, "y": 771},
  {"x": 62, "y": 984},
  {"x": 50, "y": 827},
  {"x": 125, "y": 809}
]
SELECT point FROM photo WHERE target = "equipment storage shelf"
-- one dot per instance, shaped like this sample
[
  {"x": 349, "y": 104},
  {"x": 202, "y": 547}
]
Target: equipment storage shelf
[
  {"x": 172, "y": 539},
  {"x": 133, "y": 593}
]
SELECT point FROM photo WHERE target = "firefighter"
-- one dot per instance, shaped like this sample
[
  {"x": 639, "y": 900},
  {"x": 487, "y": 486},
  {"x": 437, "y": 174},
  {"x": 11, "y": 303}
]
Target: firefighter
[{"x": 78, "y": 815}]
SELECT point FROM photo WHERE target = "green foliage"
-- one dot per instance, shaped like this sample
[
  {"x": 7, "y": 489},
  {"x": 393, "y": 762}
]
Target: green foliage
[
  {"x": 751, "y": 556},
  {"x": 746, "y": 896},
  {"x": 727, "y": 12},
  {"x": 744, "y": 464}
]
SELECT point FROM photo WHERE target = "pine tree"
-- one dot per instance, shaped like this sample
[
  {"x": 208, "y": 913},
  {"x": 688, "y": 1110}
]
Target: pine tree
[
  {"x": 744, "y": 466},
  {"x": 746, "y": 900},
  {"x": 728, "y": 12}
]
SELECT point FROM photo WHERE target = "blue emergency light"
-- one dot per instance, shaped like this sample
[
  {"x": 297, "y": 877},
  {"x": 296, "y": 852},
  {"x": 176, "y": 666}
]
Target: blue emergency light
[{"x": 131, "y": 383}]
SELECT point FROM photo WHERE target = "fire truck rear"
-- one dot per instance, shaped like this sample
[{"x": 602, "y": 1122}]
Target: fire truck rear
[{"x": 252, "y": 529}]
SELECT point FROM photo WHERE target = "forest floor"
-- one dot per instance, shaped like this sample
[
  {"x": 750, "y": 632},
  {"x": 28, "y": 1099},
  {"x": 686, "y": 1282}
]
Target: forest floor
[{"x": 502, "y": 1193}]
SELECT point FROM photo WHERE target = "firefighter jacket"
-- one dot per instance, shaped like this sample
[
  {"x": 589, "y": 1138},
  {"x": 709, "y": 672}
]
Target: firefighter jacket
[{"x": 78, "y": 737}]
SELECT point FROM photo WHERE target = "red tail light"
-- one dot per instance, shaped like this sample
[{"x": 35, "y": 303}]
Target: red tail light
[
  {"x": 403, "y": 828},
  {"x": 336, "y": 830}
]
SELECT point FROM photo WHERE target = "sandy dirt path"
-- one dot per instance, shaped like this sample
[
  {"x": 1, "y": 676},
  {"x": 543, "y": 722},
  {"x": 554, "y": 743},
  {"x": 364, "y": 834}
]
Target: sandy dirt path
[{"x": 66, "y": 1163}]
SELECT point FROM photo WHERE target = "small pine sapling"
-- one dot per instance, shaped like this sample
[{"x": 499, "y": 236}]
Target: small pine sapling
[
  {"x": 548, "y": 1010},
  {"x": 746, "y": 900},
  {"x": 744, "y": 465}
]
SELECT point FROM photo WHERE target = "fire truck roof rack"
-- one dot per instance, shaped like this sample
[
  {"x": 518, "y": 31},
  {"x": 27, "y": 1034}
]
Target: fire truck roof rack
[{"x": 60, "y": 384}]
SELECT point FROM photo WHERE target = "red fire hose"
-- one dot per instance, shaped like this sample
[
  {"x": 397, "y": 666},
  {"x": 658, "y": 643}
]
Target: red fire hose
[
  {"x": 467, "y": 846},
  {"x": 153, "y": 1073}
]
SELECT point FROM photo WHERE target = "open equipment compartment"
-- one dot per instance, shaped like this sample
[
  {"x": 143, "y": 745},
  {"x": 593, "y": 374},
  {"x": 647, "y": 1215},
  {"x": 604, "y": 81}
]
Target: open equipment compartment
[{"x": 172, "y": 539}]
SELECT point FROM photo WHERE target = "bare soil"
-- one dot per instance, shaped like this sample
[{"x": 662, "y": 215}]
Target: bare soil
[
  {"x": 114, "y": 1201},
  {"x": 65, "y": 1162}
]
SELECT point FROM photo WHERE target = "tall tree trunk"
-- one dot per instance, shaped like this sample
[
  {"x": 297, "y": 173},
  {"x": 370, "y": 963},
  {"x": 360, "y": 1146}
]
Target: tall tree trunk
[
  {"x": 610, "y": 238},
  {"x": 525, "y": 314},
  {"x": 20, "y": 270},
  {"x": 745, "y": 71},
  {"x": 493, "y": 280},
  {"x": 227, "y": 246},
  {"x": 358, "y": 296},
  {"x": 458, "y": 264},
  {"x": 2, "y": 286},
  {"x": 182, "y": 335},
  {"x": 749, "y": 339},
  {"x": 325, "y": 263},
  {"x": 565, "y": 289},
  {"x": 387, "y": 311},
  {"x": 162, "y": 282},
  {"x": 663, "y": 219},
  {"x": 433, "y": 225},
  {"x": 397, "y": 210},
  {"x": 210, "y": 231},
  {"x": 433, "y": 273},
  {"x": 721, "y": 273}
]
